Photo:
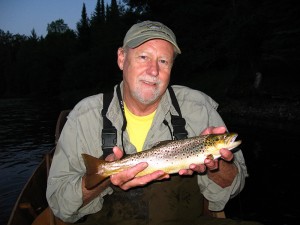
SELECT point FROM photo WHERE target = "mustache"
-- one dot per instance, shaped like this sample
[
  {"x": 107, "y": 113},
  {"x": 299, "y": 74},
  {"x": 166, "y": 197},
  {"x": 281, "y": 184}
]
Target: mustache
[{"x": 150, "y": 79}]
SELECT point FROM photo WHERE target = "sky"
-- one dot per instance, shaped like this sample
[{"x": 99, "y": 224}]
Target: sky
[{"x": 21, "y": 16}]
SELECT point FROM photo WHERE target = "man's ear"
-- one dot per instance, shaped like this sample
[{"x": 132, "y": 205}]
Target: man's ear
[{"x": 121, "y": 58}]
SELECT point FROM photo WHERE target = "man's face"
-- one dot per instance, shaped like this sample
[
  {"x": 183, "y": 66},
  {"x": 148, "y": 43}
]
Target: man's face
[{"x": 146, "y": 70}]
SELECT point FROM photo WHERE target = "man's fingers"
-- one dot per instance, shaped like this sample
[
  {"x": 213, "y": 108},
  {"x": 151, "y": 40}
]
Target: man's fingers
[
  {"x": 143, "y": 180},
  {"x": 214, "y": 130},
  {"x": 226, "y": 154}
]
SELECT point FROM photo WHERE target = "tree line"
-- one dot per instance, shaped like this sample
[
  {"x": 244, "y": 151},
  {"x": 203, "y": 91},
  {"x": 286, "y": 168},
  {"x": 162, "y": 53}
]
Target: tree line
[{"x": 225, "y": 44}]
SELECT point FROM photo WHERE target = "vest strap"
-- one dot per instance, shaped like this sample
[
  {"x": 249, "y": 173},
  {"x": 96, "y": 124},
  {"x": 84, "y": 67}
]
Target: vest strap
[
  {"x": 178, "y": 122},
  {"x": 109, "y": 132}
]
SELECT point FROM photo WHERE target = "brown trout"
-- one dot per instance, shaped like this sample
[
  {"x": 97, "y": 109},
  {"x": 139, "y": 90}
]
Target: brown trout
[{"x": 168, "y": 156}]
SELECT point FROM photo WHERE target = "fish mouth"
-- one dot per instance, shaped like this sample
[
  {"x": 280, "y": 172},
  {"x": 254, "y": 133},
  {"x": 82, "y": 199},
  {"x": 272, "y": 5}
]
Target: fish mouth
[
  {"x": 231, "y": 138},
  {"x": 231, "y": 141}
]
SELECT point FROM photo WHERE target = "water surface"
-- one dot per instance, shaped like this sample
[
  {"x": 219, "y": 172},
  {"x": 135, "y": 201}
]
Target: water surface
[{"x": 26, "y": 134}]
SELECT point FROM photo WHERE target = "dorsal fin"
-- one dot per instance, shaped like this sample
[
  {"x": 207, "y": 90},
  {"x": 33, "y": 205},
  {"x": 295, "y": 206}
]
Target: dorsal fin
[{"x": 160, "y": 143}]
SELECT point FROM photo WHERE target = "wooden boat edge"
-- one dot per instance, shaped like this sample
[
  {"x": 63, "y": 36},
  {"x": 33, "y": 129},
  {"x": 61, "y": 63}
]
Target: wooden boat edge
[{"x": 21, "y": 205}]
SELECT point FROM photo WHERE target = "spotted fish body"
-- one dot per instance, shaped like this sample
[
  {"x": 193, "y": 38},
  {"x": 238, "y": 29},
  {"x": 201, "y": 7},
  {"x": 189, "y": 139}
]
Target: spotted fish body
[{"x": 168, "y": 156}]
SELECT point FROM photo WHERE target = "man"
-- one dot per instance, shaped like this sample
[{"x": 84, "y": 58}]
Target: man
[{"x": 144, "y": 102}]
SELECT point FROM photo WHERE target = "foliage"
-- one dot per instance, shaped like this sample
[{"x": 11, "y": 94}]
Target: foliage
[
  {"x": 224, "y": 42},
  {"x": 57, "y": 26},
  {"x": 84, "y": 30},
  {"x": 98, "y": 17}
]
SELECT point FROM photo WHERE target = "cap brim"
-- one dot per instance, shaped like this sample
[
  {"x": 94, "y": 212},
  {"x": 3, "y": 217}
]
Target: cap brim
[{"x": 140, "y": 40}]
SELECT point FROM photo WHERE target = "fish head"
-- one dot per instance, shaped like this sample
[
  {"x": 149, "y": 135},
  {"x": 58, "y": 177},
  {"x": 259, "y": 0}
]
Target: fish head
[{"x": 215, "y": 142}]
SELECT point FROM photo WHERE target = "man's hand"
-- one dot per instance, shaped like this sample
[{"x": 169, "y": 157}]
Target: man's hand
[{"x": 127, "y": 179}]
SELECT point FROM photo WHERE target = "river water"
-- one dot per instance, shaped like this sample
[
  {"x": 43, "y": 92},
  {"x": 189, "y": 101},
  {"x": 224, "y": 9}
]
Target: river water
[
  {"x": 270, "y": 196},
  {"x": 26, "y": 134}
]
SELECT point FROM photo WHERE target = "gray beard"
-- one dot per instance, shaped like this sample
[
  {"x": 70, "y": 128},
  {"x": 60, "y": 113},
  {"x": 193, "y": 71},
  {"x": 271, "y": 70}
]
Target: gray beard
[{"x": 142, "y": 100}]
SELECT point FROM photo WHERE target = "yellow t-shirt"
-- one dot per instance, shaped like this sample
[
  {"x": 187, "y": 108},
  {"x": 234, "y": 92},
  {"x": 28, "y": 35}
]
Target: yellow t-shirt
[{"x": 138, "y": 127}]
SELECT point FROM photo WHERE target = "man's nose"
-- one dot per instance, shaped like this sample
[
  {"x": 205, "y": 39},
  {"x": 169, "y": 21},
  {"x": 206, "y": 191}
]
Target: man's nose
[{"x": 153, "y": 68}]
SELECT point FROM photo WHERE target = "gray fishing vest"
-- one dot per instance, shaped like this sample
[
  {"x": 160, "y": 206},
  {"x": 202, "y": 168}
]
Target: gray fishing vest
[{"x": 176, "y": 201}]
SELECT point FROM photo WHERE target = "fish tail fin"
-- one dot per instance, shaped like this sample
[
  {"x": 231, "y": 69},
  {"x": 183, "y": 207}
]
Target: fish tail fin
[{"x": 93, "y": 177}]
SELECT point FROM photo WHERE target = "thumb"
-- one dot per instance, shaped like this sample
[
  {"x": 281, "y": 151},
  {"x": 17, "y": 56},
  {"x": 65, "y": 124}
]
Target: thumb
[{"x": 117, "y": 154}]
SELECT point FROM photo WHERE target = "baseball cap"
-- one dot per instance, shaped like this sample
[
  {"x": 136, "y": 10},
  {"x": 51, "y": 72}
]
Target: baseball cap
[{"x": 148, "y": 30}]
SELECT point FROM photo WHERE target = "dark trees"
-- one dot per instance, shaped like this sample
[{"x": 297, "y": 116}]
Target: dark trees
[{"x": 225, "y": 44}]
